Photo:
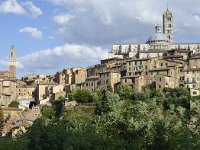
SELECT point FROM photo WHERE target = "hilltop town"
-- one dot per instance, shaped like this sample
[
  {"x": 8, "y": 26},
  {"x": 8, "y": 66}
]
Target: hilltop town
[
  {"x": 159, "y": 63},
  {"x": 143, "y": 96}
]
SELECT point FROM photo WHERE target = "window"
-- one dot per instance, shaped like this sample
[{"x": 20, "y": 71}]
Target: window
[
  {"x": 107, "y": 81},
  {"x": 194, "y": 93},
  {"x": 161, "y": 64}
]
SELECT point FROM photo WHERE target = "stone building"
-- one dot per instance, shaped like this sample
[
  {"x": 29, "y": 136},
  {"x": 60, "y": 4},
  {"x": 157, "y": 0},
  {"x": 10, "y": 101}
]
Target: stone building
[{"x": 7, "y": 91}]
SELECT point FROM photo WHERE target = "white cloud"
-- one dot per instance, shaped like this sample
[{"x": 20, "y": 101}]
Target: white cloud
[
  {"x": 25, "y": 8},
  {"x": 33, "y": 32},
  {"x": 62, "y": 20},
  {"x": 35, "y": 11},
  {"x": 11, "y": 6},
  {"x": 103, "y": 22},
  {"x": 52, "y": 60}
]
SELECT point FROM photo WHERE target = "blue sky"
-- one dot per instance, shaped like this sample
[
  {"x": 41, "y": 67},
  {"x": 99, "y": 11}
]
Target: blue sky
[{"x": 50, "y": 35}]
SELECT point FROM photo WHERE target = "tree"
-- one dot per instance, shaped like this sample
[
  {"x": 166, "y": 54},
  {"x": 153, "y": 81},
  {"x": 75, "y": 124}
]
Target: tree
[
  {"x": 59, "y": 106},
  {"x": 81, "y": 96},
  {"x": 125, "y": 92},
  {"x": 48, "y": 112},
  {"x": 14, "y": 104},
  {"x": 105, "y": 104},
  {"x": 1, "y": 121}
]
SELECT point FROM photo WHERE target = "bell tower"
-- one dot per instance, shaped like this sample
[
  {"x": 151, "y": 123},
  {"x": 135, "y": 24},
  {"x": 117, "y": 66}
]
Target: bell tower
[
  {"x": 12, "y": 63},
  {"x": 168, "y": 25}
]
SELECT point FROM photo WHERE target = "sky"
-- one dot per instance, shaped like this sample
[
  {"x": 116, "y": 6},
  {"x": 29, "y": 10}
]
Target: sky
[{"x": 50, "y": 35}]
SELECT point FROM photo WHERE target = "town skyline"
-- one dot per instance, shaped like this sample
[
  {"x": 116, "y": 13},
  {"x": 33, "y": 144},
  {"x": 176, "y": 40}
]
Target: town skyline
[{"x": 51, "y": 30}]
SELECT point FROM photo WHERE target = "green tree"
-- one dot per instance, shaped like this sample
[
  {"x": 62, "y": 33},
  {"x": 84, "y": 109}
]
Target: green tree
[
  {"x": 125, "y": 92},
  {"x": 59, "y": 106},
  {"x": 81, "y": 96},
  {"x": 1, "y": 121},
  {"x": 48, "y": 112},
  {"x": 14, "y": 104},
  {"x": 105, "y": 104}
]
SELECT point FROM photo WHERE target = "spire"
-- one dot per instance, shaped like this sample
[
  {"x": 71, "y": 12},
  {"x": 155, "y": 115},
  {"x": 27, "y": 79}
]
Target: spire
[{"x": 167, "y": 7}]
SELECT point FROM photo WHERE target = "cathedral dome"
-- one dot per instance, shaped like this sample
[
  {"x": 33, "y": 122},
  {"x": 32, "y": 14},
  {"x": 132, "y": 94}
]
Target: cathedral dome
[{"x": 157, "y": 37}]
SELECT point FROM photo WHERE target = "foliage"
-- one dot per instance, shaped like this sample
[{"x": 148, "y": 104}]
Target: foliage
[
  {"x": 139, "y": 120},
  {"x": 48, "y": 112},
  {"x": 59, "y": 106},
  {"x": 1, "y": 120},
  {"x": 14, "y": 104},
  {"x": 81, "y": 96},
  {"x": 10, "y": 144},
  {"x": 105, "y": 104},
  {"x": 125, "y": 92}
]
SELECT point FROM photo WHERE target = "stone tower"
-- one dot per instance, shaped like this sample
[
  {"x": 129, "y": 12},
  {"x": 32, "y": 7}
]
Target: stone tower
[
  {"x": 12, "y": 63},
  {"x": 168, "y": 25}
]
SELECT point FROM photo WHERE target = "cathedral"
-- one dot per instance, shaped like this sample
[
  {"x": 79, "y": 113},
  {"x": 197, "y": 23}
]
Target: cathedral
[
  {"x": 156, "y": 45},
  {"x": 8, "y": 81}
]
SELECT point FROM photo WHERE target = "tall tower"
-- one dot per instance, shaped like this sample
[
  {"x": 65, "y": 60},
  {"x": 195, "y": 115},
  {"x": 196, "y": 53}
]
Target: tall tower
[
  {"x": 168, "y": 25},
  {"x": 12, "y": 63}
]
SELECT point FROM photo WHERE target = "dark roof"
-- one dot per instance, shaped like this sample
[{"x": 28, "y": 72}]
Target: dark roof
[
  {"x": 153, "y": 51},
  {"x": 157, "y": 69},
  {"x": 192, "y": 69},
  {"x": 139, "y": 59},
  {"x": 126, "y": 77},
  {"x": 92, "y": 77}
]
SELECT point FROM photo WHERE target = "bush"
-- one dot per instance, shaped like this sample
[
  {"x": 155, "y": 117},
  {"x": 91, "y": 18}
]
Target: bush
[
  {"x": 14, "y": 104},
  {"x": 125, "y": 92},
  {"x": 81, "y": 96}
]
